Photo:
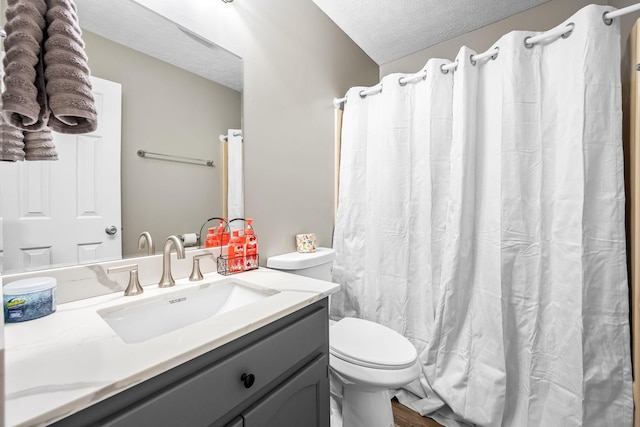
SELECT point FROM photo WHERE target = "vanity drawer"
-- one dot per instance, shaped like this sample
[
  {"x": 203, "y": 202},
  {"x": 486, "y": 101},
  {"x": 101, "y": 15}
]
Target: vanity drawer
[{"x": 232, "y": 382}]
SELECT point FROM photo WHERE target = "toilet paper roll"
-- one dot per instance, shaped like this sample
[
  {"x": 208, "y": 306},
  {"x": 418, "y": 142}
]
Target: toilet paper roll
[
  {"x": 306, "y": 243},
  {"x": 189, "y": 239}
]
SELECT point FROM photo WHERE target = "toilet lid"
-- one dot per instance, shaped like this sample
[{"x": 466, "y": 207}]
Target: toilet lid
[{"x": 370, "y": 344}]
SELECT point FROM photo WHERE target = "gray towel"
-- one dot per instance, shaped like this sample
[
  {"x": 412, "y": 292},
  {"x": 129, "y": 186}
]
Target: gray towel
[
  {"x": 24, "y": 102},
  {"x": 18, "y": 145},
  {"x": 39, "y": 145},
  {"x": 11, "y": 144},
  {"x": 44, "y": 43},
  {"x": 68, "y": 88}
]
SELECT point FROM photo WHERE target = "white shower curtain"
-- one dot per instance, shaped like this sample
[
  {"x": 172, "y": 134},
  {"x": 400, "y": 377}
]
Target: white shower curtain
[
  {"x": 394, "y": 172},
  {"x": 527, "y": 322}
]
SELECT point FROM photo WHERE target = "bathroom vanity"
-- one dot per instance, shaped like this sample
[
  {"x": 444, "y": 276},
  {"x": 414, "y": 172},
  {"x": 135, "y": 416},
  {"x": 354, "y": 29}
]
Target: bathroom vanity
[
  {"x": 261, "y": 364},
  {"x": 275, "y": 376}
]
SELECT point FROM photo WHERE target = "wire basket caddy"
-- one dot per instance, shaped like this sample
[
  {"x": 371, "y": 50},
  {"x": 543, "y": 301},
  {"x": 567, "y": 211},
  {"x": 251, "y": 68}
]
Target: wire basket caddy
[
  {"x": 228, "y": 266},
  {"x": 248, "y": 261}
]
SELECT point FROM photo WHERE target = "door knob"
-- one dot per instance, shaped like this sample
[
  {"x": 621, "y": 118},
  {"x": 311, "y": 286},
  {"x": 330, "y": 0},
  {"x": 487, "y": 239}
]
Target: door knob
[{"x": 111, "y": 230}]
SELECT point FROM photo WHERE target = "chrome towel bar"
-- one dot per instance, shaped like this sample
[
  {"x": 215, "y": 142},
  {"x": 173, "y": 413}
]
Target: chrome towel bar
[{"x": 175, "y": 158}]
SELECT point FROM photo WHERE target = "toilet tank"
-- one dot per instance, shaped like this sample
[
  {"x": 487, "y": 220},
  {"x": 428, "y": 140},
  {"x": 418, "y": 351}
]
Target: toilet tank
[{"x": 316, "y": 265}]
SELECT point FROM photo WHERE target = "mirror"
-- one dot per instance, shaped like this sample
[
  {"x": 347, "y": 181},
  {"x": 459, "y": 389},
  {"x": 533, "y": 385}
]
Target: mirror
[{"x": 179, "y": 94}]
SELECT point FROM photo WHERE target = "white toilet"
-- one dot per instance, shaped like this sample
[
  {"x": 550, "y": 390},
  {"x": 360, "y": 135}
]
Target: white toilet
[{"x": 369, "y": 358}]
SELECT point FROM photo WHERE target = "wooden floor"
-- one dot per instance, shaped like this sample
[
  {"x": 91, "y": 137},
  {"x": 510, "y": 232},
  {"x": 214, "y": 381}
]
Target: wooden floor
[{"x": 405, "y": 417}]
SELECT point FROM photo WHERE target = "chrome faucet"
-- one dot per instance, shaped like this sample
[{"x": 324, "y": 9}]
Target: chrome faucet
[
  {"x": 167, "y": 279},
  {"x": 145, "y": 240}
]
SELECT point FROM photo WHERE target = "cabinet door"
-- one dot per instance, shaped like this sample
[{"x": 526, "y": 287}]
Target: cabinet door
[{"x": 303, "y": 400}]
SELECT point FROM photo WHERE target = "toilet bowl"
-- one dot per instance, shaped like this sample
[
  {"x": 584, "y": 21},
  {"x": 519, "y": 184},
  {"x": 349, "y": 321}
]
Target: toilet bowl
[{"x": 367, "y": 358}]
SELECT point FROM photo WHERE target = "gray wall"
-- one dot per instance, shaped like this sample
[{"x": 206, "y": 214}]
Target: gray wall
[
  {"x": 167, "y": 110},
  {"x": 296, "y": 60}
]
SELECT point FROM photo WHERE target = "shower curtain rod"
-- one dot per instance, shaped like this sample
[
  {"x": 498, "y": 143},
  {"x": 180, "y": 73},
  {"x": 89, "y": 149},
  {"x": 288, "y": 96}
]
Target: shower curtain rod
[
  {"x": 225, "y": 138},
  {"x": 529, "y": 42},
  {"x": 608, "y": 16}
]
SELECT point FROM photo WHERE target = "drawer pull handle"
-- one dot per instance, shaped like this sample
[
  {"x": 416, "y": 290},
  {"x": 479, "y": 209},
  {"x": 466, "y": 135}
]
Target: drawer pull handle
[{"x": 248, "y": 380}]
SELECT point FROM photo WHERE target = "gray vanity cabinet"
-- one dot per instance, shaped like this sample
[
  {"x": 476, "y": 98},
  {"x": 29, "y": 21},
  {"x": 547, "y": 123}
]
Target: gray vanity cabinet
[{"x": 275, "y": 376}]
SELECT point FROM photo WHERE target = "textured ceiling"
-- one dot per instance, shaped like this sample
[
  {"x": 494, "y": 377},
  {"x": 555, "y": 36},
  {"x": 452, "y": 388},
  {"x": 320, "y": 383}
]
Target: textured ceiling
[
  {"x": 387, "y": 30},
  {"x": 127, "y": 23},
  {"x": 384, "y": 29}
]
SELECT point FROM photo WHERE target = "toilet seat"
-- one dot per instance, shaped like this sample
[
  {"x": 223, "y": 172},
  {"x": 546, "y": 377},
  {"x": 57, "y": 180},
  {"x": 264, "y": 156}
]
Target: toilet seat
[{"x": 370, "y": 345}]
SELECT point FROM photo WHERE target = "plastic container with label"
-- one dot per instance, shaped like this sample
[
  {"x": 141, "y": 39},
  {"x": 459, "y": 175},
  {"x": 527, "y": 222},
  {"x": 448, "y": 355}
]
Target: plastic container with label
[{"x": 29, "y": 299}]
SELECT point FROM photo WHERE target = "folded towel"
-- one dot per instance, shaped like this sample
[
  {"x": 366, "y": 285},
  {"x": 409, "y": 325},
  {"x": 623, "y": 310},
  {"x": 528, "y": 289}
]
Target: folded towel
[
  {"x": 68, "y": 87},
  {"x": 39, "y": 145},
  {"x": 11, "y": 144},
  {"x": 22, "y": 105}
]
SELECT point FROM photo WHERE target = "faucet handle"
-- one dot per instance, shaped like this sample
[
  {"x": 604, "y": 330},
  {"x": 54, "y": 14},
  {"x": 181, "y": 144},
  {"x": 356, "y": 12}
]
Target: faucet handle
[
  {"x": 133, "y": 288},
  {"x": 196, "y": 274}
]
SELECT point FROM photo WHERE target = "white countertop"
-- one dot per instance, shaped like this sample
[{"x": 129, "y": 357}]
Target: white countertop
[{"x": 62, "y": 363}]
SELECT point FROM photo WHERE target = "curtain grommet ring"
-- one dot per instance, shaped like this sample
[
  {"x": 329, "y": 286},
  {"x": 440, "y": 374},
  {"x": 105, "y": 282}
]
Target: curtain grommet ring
[
  {"x": 444, "y": 70},
  {"x": 473, "y": 61},
  {"x": 527, "y": 44},
  {"x": 401, "y": 83},
  {"x": 371, "y": 91},
  {"x": 607, "y": 21},
  {"x": 495, "y": 55},
  {"x": 569, "y": 32}
]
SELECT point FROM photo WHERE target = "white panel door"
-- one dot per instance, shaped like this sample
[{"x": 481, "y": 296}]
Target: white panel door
[{"x": 58, "y": 213}]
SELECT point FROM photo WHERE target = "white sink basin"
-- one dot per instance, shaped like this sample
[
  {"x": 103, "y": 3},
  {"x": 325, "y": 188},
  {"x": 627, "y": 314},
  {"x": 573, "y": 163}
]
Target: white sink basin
[{"x": 148, "y": 318}]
